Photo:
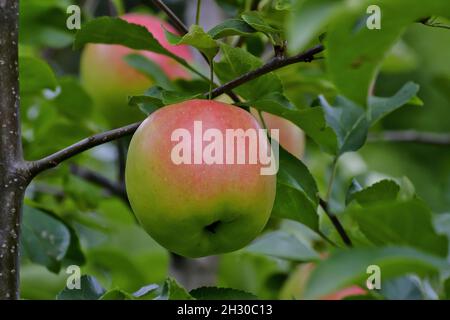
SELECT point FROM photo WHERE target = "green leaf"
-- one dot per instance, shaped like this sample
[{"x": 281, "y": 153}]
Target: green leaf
[
  {"x": 116, "y": 294},
  {"x": 447, "y": 289},
  {"x": 74, "y": 254},
  {"x": 296, "y": 197},
  {"x": 347, "y": 267},
  {"x": 90, "y": 289},
  {"x": 214, "y": 293},
  {"x": 354, "y": 52},
  {"x": 150, "y": 69},
  {"x": 35, "y": 75},
  {"x": 231, "y": 27},
  {"x": 380, "y": 107},
  {"x": 406, "y": 223},
  {"x": 348, "y": 121},
  {"x": 144, "y": 292},
  {"x": 171, "y": 290},
  {"x": 197, "y": 38},
  {"x": 117, "y": 31},
  {"x": 236, "y": 62},
  {"x": 254, "y": 19},
  {"x": 311, "y": 120},
  {"x": 147, "y": 104},
  {"x": 157, "y": 97},
  {"x": 382, "y": 191},
  {"x": 283, "y": 4},
  {"x": 45, "y": 240},
  {"x": 283, "y": 245}
]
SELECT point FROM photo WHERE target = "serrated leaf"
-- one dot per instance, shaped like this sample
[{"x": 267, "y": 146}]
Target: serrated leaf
[
  {"x": 296, "y": 197},
  {"x": 197, "y": 38},
  {"x": 349, "y": 122},
  {"x": 282, "y": 245},
  {"x": 150, "y": 69},
  {"x": 117, "y": 31},
  {"x": 406, "y": 223},
  {"x": 384, "y": 190},
  {"x": 116, "y": 294},
  {"x": 380, "y": 107},
  {"x": 215, "y": 293},
  {"x": 90, "y": 289},
  {"x": 347, "y": 267},
  {"x": 171, "y": 290},
  {"x": 231, "y": 27},
  {"x": 35, "y": 75},
  {"x": 144, "y": 291},
  {"x": 44, "y": 240}
]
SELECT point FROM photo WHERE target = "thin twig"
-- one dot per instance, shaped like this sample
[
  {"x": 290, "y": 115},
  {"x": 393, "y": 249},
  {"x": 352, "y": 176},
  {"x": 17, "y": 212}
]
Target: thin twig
[
  {"x": 35, "y": 167},
  {"x": 431, "y": 138},
  {"x": 197, "y": 14},
  {"x": 337, "y": 225},
  {"x": 331, "y": 180},
  {"x": 177, "y": 23},
  {"x": 182, "y": 29}
]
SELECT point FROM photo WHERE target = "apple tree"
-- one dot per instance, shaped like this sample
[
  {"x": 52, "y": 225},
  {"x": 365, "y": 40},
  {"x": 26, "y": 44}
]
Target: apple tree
[{"x": 359, "y": 205}]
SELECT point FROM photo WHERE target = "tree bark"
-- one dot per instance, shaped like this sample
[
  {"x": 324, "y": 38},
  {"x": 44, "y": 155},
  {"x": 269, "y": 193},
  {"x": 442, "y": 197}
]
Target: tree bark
[{"x": 13, "y": 177}]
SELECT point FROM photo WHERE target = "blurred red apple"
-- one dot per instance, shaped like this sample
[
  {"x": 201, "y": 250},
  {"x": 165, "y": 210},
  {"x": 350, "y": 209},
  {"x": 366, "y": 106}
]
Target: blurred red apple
[{"x": 110, "y": 80}]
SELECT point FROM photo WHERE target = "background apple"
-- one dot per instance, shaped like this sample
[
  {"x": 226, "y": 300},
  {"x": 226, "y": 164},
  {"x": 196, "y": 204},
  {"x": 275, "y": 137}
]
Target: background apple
[
  {"x": 295, "y": 286},
  {"x": 292, "y": 138},
  {"x": 198, "y": 209},
  {"x": 110, "y": 80}
]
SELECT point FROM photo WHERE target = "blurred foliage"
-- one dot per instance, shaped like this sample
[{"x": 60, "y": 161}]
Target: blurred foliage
[{"x": 393, "y": 199}]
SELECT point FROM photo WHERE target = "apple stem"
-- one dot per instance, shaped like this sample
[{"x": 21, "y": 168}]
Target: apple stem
[
  {"x": 211, "y": 78},
  {"x": 197, "y": 15}
]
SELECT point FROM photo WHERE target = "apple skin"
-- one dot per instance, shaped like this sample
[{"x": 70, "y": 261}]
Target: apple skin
[
  {"x": 292, "y": 138},
  {"x": 110, "y": 80},
  {"x": 175, "y": 203}
]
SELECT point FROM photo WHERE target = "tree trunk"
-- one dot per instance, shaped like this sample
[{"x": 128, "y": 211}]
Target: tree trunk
[{"x": 13, "y": 177}]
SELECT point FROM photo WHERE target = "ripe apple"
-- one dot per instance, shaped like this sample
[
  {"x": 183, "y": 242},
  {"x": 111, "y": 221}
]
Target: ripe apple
[
  {"x": 291, "y": 137},
  {"x": 109, "y": 80},
  {"x": 197, "y": 209}
]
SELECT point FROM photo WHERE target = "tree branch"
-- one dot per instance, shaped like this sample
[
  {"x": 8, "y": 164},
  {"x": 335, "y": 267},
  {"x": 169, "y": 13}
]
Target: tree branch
[
  {"x": 438, "y": 139},
  {"x": 337, "y": 225},
  {"x": 13, "y": 178},
  {"x": 35, "y": 167},
  {"x": 274, "y": 64}
]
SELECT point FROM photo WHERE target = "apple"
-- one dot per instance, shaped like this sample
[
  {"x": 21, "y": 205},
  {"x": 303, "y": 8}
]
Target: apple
[
  {"x": 291, "y": 137},
  {"x": 109, "y": 80},
  {"x": 295, "y": 285},
  {"x": 202, "y": 208}
]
